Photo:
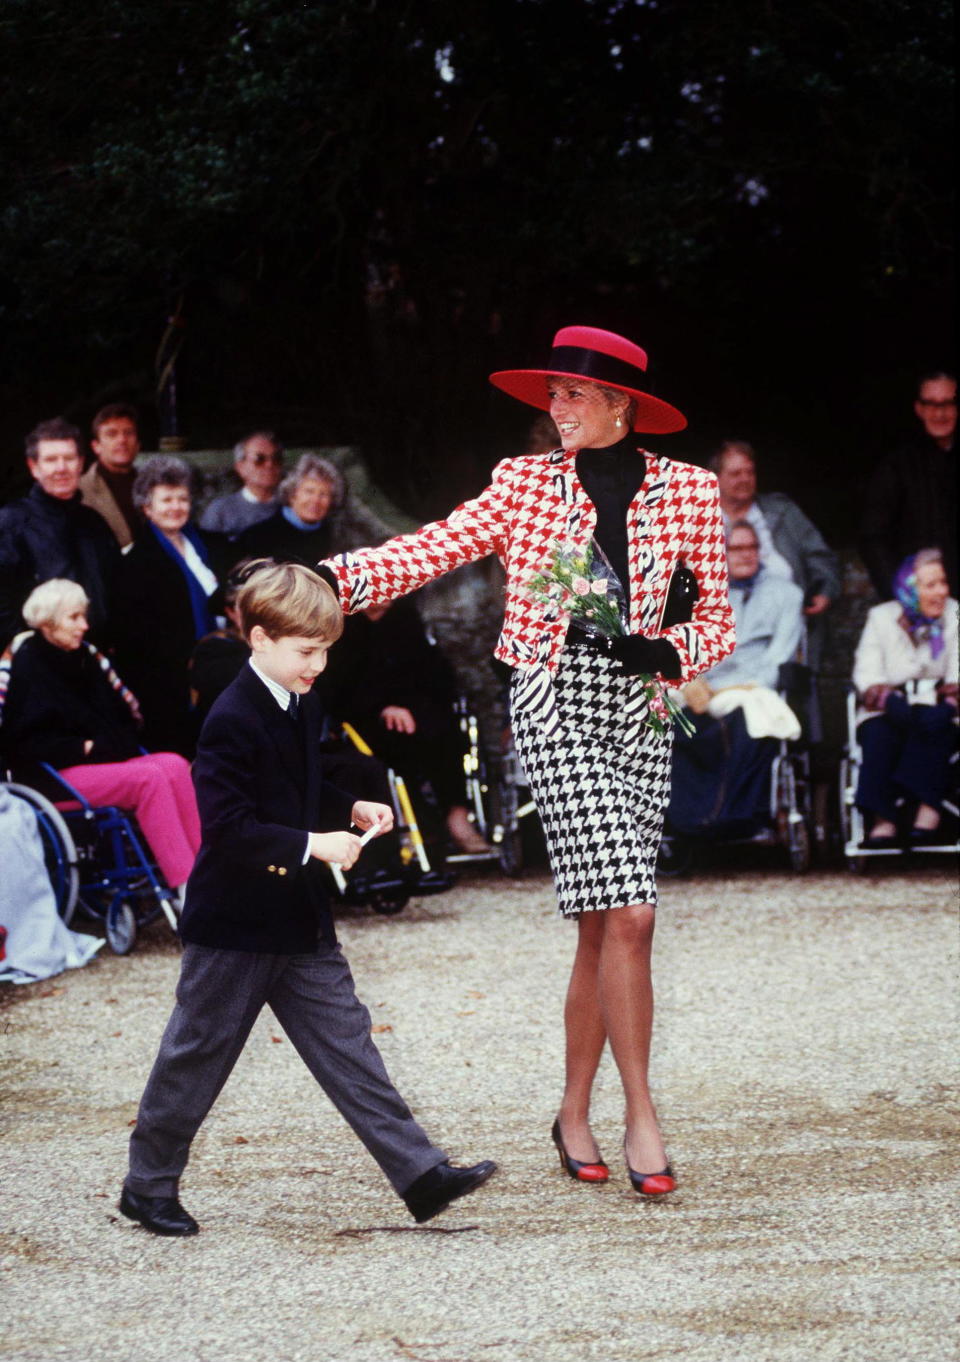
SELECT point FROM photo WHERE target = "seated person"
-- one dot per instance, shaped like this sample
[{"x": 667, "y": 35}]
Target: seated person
[
  {"x": 258, "y": 463},
  {"x": 218, "y": 657},
  {"x": 905, "y": 674},
  {"x": 167, "y": 597},
  {"x": 317, "y": 517},
  {"x": 791, "y": 546},
  {"x": 720, "y": 773},
  {"x": 767, "y": 611},
  {"x": 390, "y": 683},
  {"x": 67, "y": 707}
]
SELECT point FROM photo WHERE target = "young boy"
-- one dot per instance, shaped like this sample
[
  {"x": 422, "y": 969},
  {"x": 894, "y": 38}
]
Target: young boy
[{"x": 257, "y": 926}]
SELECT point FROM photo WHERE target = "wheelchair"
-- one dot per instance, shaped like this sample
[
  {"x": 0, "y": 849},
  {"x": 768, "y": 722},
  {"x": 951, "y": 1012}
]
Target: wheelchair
[
  {"x": 388, "y": 892},
  {"x": 782, "y": 820},
  {"x": 495, "y": 799},
  {"x": 98, "y": 863},
  {"x": 853, "y": 824}
]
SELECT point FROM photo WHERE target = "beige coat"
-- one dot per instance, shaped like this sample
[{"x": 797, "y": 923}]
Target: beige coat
[{"x": 97, "y": 495}]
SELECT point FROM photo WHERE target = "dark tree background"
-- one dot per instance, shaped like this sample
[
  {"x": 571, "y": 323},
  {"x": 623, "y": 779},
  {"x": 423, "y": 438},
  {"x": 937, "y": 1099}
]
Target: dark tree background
[{"x": 355, "y": 210}]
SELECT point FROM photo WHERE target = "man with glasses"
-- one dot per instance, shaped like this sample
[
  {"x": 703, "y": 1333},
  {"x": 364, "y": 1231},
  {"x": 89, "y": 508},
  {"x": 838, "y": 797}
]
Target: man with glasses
[
  {"x": 911, "y": 500},
  {"x": 258, "y": 463}
]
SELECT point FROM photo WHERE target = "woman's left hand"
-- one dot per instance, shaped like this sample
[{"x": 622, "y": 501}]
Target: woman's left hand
[
  {"x": 366, "y": 814},
  {"x": 641, "y": 656}
]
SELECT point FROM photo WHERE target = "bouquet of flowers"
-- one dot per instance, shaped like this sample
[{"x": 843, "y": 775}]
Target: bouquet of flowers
[{"x": 583, "y": 584}]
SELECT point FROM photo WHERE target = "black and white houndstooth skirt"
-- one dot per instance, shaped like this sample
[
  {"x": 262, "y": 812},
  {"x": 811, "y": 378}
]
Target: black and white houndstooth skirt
[{"x": 601, "y": 799}]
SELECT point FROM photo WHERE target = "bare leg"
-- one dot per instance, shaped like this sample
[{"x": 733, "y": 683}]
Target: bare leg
[
  {"x": 927, "y": 818},
  {"x": 626, "y": 1006},
  {"x": 586, "y": 1036}
]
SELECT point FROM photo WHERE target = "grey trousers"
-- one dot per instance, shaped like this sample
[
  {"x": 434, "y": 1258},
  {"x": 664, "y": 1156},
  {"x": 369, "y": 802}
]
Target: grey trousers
[{"x": 219, "y": 997}]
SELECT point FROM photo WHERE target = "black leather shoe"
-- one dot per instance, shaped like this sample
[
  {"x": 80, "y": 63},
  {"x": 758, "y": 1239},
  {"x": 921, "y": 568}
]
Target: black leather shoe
[
  {"x": 435, "y": 1189},
  {"x": 159, "y": 1214}
]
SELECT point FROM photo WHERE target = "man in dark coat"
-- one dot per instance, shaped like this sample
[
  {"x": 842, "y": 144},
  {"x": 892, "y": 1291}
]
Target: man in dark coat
[
  {"x": 50, "y": 533},
  {"x": 911, "y": 500}
]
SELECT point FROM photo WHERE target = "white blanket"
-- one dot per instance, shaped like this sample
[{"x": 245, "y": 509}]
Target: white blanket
[
  {"x": 767, "y": 714},
  {"x": 38, "y": 943}
]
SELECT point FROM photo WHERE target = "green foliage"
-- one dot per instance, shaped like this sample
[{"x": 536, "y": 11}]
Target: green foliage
[{"x": 415, "y": 177}]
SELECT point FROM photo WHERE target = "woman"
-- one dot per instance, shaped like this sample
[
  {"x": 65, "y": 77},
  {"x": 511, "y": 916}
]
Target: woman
[
  {"x": 317, "y": 517},
  {"x": 66, "y": 706},
  {"x": 167, "y": 598},
  {"x": 599, "y": 775},
  {"x": 905, "y": 674},
  {"x": 721, "y": 772}
]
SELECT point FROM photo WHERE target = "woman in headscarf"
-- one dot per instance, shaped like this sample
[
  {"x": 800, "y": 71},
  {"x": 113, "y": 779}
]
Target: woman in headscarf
[
  {"x": 905, "y": 674},
  {"x": 599, "y": 772}
]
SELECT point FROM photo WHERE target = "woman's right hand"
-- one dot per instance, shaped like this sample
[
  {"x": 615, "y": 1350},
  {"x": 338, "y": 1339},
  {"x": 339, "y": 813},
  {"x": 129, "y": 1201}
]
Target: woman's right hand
[
  {"x": 336, "y": 848},
  {"x": 875, "y": 697}
]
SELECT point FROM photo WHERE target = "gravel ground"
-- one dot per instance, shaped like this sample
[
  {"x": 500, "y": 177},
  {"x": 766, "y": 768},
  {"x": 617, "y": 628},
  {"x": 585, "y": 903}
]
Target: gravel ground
[{"x": 805, "y": 1067}]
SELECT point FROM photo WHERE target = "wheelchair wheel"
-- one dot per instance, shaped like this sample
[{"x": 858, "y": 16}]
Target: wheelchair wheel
[
  {"x": 59, "y": 849},
  {"x": 851, "y": 823},
  {"x": 798, "y": 846},
  {"x": 387, "y": 903},
  {"x": 120, "y": 926},
  {"x": 674, "y": 856},
  {"x": 504, "y": 826}
]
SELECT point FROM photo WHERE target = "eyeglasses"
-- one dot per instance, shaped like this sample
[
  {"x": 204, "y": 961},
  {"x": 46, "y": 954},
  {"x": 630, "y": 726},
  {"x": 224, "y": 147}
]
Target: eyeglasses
[
  {"x": 743, "y": 548},
  {"x": 937, "y": 406},
  {"x": 258, "y": 460}
]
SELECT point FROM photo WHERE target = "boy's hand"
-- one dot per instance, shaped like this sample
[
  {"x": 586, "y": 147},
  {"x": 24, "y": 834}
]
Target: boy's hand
[
  {"x": 336, "y": 848},
  {"x": 366, "y": 814}
]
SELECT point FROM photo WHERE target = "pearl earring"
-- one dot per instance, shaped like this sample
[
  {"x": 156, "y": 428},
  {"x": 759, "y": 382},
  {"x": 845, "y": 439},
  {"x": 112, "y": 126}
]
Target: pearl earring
[{"x": 619, "y": 421}]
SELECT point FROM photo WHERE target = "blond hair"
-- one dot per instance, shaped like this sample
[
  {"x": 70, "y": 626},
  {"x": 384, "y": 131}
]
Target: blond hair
[
  {"x": 288, "y": 600},
  {"x": 51, "y": 599}
]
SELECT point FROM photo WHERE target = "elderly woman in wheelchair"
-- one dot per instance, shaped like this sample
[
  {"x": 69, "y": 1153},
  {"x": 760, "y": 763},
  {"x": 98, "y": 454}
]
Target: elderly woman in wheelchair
[
  {"x": 68, "y": 727},
  {"x": 905, "y": 677},
  {"x": 722, "y": 772}
]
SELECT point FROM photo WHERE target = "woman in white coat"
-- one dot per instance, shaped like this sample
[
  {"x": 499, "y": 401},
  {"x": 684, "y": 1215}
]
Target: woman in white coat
[{"x": 905, "y": 674}]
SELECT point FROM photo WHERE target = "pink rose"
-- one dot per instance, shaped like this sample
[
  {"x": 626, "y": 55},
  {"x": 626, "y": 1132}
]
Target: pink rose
[
  {"x": 580, "y": 586},
  {"x": 600, "y": 586}
]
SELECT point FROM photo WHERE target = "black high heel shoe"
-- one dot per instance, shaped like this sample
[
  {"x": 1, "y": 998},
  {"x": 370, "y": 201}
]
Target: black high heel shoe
[
  {"x": 581, "y": 1172},
  {"x": 650, "y": 1184}
]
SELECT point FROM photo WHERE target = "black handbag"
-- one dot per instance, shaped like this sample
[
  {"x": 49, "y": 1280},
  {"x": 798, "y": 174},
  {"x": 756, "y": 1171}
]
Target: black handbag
[{"x": 683, "y": 591}]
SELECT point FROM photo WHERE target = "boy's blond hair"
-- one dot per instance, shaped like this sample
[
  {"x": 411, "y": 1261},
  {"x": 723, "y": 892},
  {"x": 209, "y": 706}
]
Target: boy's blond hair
[{"x": 288, "y": 600}]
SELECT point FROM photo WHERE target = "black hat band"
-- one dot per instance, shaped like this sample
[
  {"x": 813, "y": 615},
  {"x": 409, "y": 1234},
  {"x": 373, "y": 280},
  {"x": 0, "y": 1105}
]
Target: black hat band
[{"x": 593, "y": 364}]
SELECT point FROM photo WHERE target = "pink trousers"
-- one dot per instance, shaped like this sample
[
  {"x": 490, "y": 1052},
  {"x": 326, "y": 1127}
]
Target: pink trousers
[{"x": 158, "y": 789}]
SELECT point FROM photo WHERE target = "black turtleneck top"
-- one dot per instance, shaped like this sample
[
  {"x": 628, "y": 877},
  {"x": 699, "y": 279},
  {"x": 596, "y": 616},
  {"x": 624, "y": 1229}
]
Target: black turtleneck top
[{"x": 611, "y": 478}]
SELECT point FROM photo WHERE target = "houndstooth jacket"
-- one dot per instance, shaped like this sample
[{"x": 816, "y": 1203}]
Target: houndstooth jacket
[{"x": 535, "y": 502}]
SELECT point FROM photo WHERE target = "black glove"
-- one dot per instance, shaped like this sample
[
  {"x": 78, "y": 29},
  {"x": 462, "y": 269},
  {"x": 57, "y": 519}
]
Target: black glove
[{"x": 638, "y": 655}]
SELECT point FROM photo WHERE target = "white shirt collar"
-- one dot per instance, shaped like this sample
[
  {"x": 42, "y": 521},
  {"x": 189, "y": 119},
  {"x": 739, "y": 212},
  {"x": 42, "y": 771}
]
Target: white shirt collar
[{"x": 279, "y": 693}]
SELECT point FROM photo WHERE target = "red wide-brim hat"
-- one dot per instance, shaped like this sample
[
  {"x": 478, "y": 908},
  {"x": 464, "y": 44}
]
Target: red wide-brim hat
[{"x": 601, "y": 357}]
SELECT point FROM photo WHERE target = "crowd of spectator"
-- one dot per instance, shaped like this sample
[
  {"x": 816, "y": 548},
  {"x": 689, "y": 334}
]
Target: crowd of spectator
[{"x": 152, "y": 581}]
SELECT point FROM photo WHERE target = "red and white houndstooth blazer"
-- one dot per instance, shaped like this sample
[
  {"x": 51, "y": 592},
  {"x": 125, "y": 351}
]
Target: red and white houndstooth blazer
[{"x": 532, "y": 503}]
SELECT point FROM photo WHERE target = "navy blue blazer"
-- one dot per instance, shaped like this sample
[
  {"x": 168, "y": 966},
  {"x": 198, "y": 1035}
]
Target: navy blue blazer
[{"x": 260, "y": 789}]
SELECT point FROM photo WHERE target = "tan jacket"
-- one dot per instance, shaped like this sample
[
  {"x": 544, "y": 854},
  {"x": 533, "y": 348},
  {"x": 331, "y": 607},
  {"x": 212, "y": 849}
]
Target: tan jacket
[{"x": 97, "y": 495}]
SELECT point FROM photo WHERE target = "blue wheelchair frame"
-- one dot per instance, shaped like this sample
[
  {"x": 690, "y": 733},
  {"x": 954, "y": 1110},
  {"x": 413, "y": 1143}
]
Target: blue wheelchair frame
[{"x": 117, "y": 881}]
